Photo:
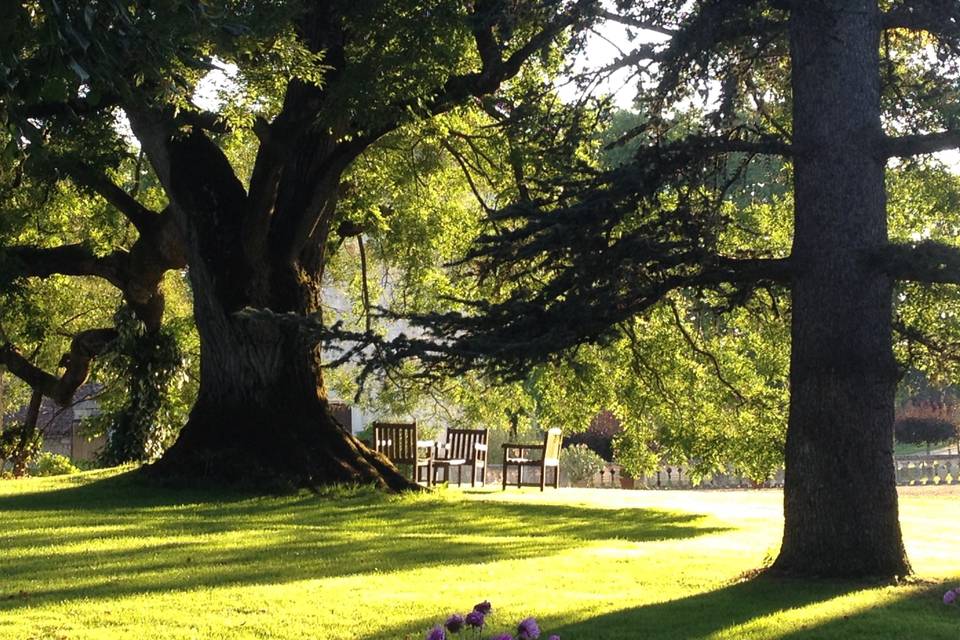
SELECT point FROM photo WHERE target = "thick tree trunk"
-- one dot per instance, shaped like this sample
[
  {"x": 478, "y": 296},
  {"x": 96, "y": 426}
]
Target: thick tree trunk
[
  {"x": 262, "y": 417},
  {"x": 840, "y": 498}
]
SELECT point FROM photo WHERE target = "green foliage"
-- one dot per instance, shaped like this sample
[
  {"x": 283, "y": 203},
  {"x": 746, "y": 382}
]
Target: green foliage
[
  {"x": 52, "y": 464},
  {"x": 141, "y": 413},
  {"x": 634, "y": 453},
  {"x": 916, "y": 430},
  {"x": 581, "y": 463}
]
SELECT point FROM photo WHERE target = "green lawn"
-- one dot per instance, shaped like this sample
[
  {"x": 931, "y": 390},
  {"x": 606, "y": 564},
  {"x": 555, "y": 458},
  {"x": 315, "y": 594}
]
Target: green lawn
[{"x": 99, "y": 556}]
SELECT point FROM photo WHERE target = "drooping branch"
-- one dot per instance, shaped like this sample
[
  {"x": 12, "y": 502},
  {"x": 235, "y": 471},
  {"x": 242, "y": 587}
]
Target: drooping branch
[
  {"x": 85, "y": 346},
  {"x": 929, "y": 262},
  {"x": 71, "y": 108},
  {"x": 912, "y": 145},
  {"x": 575, "y": 308},
  {"x": 712, "y": 26}
]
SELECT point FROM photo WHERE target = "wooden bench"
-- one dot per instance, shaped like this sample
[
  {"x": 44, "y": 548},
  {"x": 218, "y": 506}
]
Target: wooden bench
[
  {"x": 399, "y": 443},
  {"x": 516, "y": 455},
  {"x": 463, "y": 448}
]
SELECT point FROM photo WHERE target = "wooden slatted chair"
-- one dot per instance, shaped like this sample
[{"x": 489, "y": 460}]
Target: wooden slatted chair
[
  {"x": 399, "y": 443},
  {"x": 463, "y": 448},
  {"x": 516, "y": 455}
]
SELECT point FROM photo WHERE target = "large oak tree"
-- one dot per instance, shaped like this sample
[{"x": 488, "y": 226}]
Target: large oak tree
[{"x": 320, "y": 83}]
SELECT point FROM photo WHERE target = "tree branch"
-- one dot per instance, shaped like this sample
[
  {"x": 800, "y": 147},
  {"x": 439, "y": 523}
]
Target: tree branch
[
  {"x": 912, "y": 145},
  {"x": 635, "y": 22},
  {"x": 929, "y": 262},
  {"x": 85, "y": 346},
  {"x": 70, "y": 108},
  {"x": 947, "y": 350},
  {"x": 717, "y": 369},
  {"x": 68, "y": 260},
  {"x": 939, "y": 17},
  {"x": 142, "y": 218}
]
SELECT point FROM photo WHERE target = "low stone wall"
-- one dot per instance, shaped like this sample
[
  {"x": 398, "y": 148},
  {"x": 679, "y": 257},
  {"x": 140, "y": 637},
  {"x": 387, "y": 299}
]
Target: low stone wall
[
  {"x": 922, "y": 470},
  {"x": 911, "y": 470}
]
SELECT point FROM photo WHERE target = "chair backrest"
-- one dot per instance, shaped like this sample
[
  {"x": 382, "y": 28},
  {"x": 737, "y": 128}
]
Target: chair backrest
[
  {"x": 397, "y": 441},
  {"x": 551, "y": 447},
  {"x": 461, "y": 443}
]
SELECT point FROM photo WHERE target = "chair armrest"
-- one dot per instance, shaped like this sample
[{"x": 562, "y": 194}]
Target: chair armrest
[
  {"x": 514, "y": 445},
  {"x": 425, "y": 450}
]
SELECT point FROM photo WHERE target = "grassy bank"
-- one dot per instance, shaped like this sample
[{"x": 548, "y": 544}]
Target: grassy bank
[{"x": 99, "y": 556}]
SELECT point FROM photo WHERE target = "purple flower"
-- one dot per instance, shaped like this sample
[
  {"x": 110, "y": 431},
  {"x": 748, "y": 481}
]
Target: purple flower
[
  {"x": 484, "y": 607},
  {"x": 503, "y": 636},
  {"x": 437, "y": 633},
  {"x": 475, "y": 619},
  {"x": 554, "y": 637},
  {"x": 454, "y": 623},
  {"x": 528, "y": 629},
  {"x": 949, "y": 597}
]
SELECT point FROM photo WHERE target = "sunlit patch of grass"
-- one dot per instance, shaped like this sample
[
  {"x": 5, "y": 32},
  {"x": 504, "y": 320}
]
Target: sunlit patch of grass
[{"x": 99, "y": 555}]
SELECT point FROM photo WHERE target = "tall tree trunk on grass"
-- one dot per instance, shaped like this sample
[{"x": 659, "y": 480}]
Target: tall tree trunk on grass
[
  {"x": 261, "y": 417},
  {"x": 840, "y": 502}
]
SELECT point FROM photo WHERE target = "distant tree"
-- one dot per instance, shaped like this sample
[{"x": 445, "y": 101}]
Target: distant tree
[{"x": 927, "y": 431}]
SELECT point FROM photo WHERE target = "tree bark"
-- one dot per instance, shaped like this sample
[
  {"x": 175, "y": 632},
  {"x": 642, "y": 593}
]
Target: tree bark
[
  {"x": 261, "y": 417},
  {"x": 840, "y": 498},
  {"x": 27, "y": 441}
]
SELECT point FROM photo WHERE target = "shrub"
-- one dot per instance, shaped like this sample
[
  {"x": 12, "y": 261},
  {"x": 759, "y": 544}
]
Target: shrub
[
  {"x": 52, "y": 464},
  {"x": 581, "y": 463},
  {"x": 925, "y": 430}
]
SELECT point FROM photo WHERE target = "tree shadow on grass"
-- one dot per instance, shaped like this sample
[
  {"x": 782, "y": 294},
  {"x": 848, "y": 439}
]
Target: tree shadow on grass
[
  {"x": 116, "y": 537},
  {"x": 916, "y": 614}
]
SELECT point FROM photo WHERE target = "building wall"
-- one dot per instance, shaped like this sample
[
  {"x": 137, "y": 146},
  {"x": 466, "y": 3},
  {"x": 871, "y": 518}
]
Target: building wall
[{"x": 74, "y": 446}]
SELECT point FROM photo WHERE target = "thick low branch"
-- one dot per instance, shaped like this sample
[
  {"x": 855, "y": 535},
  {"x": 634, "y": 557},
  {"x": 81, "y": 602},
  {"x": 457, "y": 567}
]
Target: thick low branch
[
  {"x": 930, "y": 262},
  {"x": 905, "y": 146},
  {"x": 85, "y": 346},
  {"x": 68, "y": 260}
]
